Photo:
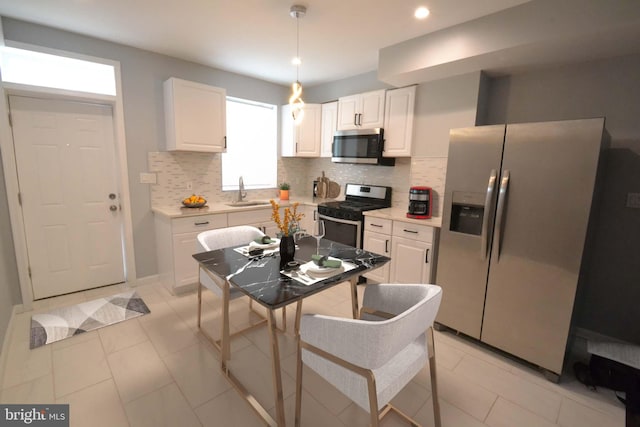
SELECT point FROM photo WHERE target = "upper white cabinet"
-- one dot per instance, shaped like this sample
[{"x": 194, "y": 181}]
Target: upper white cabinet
[
  {"x": 195, "y": 116},
  {"x": 361, "y": 111},
  {"x": 302, "y": 140},
  {"x": 329, "y": 126},
  {"x": 398, "y": 121}
]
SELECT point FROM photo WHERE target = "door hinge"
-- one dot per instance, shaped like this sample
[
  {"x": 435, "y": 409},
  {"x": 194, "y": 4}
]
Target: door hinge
[
  {"x": 29, "y": 270},
  {"x": 20, "y": 199}
]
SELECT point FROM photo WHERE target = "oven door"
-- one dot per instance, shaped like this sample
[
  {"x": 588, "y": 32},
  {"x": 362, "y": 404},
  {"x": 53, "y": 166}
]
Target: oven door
[{"x": 342, "y": 230}]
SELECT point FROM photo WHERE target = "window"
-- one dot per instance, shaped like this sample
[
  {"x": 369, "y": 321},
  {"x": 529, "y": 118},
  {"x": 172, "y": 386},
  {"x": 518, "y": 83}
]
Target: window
[
  {"x": 46, "y": 70},
  {"x": 252, "y": 151}
]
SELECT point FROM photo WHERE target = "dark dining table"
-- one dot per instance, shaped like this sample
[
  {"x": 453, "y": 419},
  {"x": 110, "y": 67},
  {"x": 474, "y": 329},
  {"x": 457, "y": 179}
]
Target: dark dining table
[{"x": 261, "y": 279}]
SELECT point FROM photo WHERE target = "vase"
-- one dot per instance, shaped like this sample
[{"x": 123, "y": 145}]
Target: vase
[
  {"x": 287, "y": 250},
  {"x": 284, "y": 194}
]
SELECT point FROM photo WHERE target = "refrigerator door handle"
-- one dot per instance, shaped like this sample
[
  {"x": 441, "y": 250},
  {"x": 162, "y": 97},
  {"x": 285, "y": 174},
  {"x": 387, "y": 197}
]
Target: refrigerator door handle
[
  {"x": 502, "y": 195},
  {"x": 484, "y": 248}
]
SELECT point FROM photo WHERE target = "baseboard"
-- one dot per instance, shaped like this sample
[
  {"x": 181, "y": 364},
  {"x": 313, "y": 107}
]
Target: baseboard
[
  {"x": 4, "y": 351},
  {"x": 141, "y": 281},
  {"x": 590, "y": 335}
]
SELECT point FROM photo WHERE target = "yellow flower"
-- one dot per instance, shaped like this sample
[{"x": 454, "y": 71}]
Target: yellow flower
[{"x": 290, "y": 223}]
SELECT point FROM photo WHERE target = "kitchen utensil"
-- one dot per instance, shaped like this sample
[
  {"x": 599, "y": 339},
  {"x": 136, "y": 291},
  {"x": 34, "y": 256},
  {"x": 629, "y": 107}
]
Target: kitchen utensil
[{"x": 334, "y": 190}]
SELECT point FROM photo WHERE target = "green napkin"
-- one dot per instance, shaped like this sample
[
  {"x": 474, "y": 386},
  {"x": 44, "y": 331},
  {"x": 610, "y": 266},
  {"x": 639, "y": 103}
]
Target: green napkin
[
  {"x": 323, "y": 261},
  {"x": 263, "y": 240}
]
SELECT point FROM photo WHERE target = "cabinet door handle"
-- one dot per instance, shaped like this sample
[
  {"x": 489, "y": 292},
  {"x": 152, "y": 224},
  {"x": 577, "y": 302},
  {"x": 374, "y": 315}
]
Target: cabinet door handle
[
  {"x": 315, "y": 215},
  {"x": 225, "y": 142},
  {"x": 359, "y": 119},
  {"x": 376, "y": 225},
  {"x": 355, "y": 119},
  {"x": 409, "y": 231},
  {"x": 386, "y": 246},
  {"x": 426, "y": 256},
  {"x": 201, "y": 223}
]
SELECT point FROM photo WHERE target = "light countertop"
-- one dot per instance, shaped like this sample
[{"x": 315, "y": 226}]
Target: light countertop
[
  {"x": 397, "y": 214},
  {"x": 178, "y": 211}
]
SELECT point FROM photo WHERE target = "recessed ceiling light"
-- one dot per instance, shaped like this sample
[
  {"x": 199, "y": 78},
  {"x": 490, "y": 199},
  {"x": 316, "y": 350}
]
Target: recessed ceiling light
[{"x": 421, "y": 12}]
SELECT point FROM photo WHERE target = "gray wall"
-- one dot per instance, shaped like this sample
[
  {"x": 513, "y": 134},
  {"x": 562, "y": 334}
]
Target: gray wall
[
  {"x": 143, "y": 73},
  {"x": 9, "y": 285},
  {"x": 608, "y": 301}
]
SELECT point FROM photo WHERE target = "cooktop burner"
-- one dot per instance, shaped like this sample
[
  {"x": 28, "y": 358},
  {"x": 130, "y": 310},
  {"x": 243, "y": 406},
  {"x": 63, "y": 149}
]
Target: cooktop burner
[{"x": 359, "y": 198}]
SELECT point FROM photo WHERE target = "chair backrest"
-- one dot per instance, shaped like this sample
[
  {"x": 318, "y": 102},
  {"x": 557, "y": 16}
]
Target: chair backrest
[
  {"x": 415, "y": 307},
  {"x": 225, "y": 237}
]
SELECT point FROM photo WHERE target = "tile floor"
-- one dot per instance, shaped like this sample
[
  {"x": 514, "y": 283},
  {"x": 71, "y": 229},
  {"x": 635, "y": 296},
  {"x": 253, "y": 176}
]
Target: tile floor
[{"x": 157, "y": 370}]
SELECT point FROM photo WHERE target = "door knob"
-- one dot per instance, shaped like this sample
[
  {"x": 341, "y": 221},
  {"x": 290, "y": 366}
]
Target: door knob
[
  {"x": 113, "y": 208},
  {"x": 112, "y": 196}
]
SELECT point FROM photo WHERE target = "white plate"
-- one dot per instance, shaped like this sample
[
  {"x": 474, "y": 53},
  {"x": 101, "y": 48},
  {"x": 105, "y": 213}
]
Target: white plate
[
  {"x": 312, "y": 267},
  {"x": 273, "y": 244}
]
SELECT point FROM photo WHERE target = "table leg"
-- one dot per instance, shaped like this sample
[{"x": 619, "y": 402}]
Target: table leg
[
  {"x": 225, "y": 352},
  {"x": 354, "y": 297},
  {"x": 275, "y": 364}
]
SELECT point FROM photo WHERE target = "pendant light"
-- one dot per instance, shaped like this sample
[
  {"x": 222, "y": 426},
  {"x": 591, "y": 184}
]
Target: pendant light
[{"x": 295, "y": 100}]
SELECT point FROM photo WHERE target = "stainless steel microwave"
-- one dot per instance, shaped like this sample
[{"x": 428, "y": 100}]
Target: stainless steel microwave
[{"x": 360, "y": 146}]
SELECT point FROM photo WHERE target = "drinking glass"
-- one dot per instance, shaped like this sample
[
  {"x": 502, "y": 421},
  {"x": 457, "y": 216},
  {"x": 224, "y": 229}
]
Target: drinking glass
[{"x": 318, "y": 233}]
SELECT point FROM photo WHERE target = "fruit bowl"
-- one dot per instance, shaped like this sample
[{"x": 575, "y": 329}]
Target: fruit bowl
[{"x": 194, "y": 202}]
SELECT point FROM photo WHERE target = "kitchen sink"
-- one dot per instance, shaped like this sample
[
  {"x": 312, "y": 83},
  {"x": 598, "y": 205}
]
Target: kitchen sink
[{"x": 249, "y": 203}]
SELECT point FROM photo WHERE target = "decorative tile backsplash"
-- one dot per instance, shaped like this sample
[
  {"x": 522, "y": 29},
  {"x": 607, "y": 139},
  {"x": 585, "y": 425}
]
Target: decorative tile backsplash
[{"x": 175, "y": 170}]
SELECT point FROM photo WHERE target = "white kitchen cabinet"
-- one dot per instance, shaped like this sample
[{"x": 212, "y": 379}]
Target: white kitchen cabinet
[
  {"x": 398, "y": 121},
  {"x": 303, "y": 139},
  {"x": 377, "y": 239},
  {"x": 195, "y": 116},
  {"x": 412, "y": 255},
  {"x": 329, "y": 125},
  {"x": 175, "y": 245},
  {"x": 259, "y": 218},
  {"x": 361, "y": 111}
]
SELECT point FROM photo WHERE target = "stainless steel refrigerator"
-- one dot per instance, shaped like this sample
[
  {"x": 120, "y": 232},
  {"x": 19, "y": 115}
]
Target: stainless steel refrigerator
[{"x": 517, "y": 206}]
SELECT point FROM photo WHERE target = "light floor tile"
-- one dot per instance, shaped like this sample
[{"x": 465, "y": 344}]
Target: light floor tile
[
  {"x": 469, "y": 397},
  {"x": 165, "y": 407},
  {"x": 451, "y": 416},
  {"x": 196, "y": 370},
  {"x": 313, "y": 413},
  {"x": 122, "y": 335},
  {"x": 97, "y": 406},
  {"x": 76, "y": 339},
  {"x": 508, "y": 414},
  {"x": 78, "y": 366},
  {"x": 35, "y": 391},
  {"x": 228, "y": 410},
  {"x": 138, "y": 370},
  {"x": 531, "y": 396},
  {"x": 168, "y": 332},
  {"x": 574, "y": 414},
  {"x": 23, "y": 364}
]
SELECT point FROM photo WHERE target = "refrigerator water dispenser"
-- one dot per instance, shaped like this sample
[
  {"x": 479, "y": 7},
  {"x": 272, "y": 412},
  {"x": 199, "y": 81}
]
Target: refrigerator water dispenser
[{"x": 467, "y": 211}]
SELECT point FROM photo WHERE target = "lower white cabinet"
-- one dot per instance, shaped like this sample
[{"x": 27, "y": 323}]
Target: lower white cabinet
[
  {"x": 410, "y": 247},
  {"x": 377, "y": 239},
  {"x": 175, "y": 245}
]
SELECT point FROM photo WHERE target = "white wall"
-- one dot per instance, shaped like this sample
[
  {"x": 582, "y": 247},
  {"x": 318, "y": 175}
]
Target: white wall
[{"x": 143, "y": 73}]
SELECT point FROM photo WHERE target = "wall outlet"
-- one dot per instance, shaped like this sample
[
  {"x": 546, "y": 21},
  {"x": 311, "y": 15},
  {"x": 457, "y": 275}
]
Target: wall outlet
[
  {"x": 633, "y": 200},
  {"x": 189, "y": 185},
  {"x": 147, "y": 178}
]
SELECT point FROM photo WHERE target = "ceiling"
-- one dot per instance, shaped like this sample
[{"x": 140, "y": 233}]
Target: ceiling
[{"x": 338, "y": 38}]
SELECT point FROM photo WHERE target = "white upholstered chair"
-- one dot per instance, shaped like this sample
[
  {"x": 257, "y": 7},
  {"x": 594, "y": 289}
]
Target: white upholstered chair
[
  {"x": 217, "y": 239},
  {"x": 373, "y": 358}
]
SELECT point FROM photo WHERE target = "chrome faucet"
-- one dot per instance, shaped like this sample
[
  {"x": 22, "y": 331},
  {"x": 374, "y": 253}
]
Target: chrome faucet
[{"x": 241, "y": 193}]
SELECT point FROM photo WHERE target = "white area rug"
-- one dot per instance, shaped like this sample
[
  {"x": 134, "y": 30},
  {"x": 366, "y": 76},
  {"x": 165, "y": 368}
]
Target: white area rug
[{"x": 65, "y": 322}]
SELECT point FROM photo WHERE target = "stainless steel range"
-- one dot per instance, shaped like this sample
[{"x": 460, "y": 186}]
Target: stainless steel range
[{"x": 344, "y": 220}]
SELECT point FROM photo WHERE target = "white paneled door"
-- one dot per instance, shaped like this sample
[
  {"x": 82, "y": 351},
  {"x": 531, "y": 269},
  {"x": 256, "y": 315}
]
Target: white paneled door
[{"x": 65, "y": 156}]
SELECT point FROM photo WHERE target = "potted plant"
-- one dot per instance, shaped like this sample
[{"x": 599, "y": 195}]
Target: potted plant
[{"x": 284, "y": 191}]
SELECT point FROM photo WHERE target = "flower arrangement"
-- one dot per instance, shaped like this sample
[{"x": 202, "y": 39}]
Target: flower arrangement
[{"x": 290, "y": 223}]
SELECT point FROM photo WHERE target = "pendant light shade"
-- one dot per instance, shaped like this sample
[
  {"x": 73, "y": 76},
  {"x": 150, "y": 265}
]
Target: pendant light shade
[{"x": 295, "y": 100}]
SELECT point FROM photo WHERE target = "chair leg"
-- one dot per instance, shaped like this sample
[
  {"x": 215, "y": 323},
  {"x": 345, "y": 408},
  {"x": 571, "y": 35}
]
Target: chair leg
[
  {"x": 373, "y": 399},
  {"x": 434, "y": 382},
  {"x": 199, "y": 303},
  {"x": 298, "y": 386}
]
